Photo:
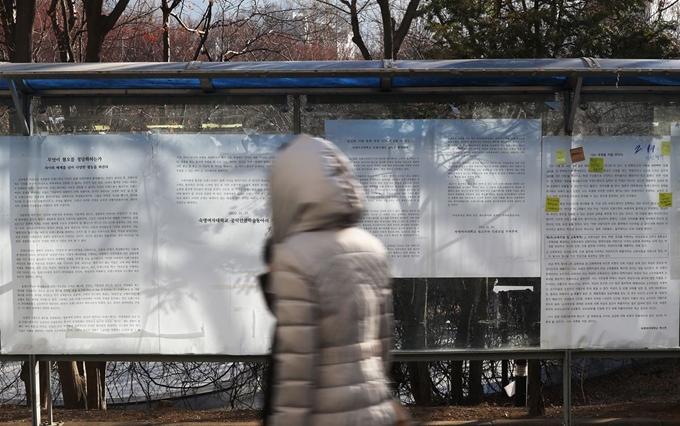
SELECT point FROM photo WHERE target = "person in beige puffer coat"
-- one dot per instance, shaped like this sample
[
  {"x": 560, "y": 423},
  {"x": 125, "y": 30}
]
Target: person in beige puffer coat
[{"x": 331, "y": 295}]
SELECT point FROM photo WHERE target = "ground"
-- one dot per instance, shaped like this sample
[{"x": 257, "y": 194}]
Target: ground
[{"x": 649, "y": 390}]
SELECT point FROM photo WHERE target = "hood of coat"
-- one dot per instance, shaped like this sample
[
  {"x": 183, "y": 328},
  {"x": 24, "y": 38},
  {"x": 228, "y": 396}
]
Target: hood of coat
[{"x": 313, "y": 187}]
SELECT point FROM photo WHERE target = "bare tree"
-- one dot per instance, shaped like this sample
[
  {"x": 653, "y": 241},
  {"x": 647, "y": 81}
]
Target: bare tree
[
  {"x": 63, "y": 17},
  {"x": 99, "y": 24},
  {"x": 167, "y": 8},
  {"x": 73, "y": 384},
  {"x": 17, "y": 18},
  {"x": 389, "y": 24}
]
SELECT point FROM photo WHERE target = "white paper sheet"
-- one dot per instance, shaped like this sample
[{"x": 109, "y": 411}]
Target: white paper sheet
[
  {"x": 487, "y": 212},
  {"x": 5, "y": 242},
  {"x": 609, "y": 243},
  {"x": 450, "y": 198},
  {"x": 213, "y": 219},
  {"x": 83, "y": 273},
  {"x": 392, "y": 159}
]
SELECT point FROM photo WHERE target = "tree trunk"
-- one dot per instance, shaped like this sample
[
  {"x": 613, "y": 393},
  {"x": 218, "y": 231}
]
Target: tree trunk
[
  {"x": 534, "y": 389},
  {"x": 99, "y": 25},
  {"x": 95, "y": 373},
  {"x": 475, "y": 389},
  {"x": 388, "y": 28},
  {"x": 419, "y": 376},
  {"x": 166, "y": 37},
  {"x": 17, "y": 18},
  {"x": 25, "y": 377},
  {"x": 400, "y": 33},
  {"x": 71, "y": 374},
  {"x": 478, "y": 319},
  {"x": 166, "y": 10},
  {"x": 503, "y": 326},
  {"x": 465, "y": 301},
  {"x": 457, "y": 396},
  {"x": 207, "y": 19},
  {"x": 95, "y": 40},
  {"x": 24, "y": 31},
  {"x": 357, "y": 38},
  {"x": 416, "y": 338},
  {"x": 63, "y": 18}
]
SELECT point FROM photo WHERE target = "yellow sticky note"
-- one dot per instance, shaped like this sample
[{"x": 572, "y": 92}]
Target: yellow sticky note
[
  {"x": 666, "y": 148},
  {"x": 596, "y": 164},
  {"x": 665, "y": 199},
  {"x": 552, "y": 204},
  {"x": 561, "y": 156}
]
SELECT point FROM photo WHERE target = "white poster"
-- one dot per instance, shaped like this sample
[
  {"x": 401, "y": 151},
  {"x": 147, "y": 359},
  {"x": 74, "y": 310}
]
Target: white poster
[
  {"x": 213, "y": 219},
  {"x": 450, "y": 198},
  {"x": 152, "y": 244},
  {"x": 610, "y": 254},
  {"x": 83, "y": 273},
  {"x": 5, "y": 243},
  {"x": 487, "y": 212},
  {"x": 392, "y": 159}
]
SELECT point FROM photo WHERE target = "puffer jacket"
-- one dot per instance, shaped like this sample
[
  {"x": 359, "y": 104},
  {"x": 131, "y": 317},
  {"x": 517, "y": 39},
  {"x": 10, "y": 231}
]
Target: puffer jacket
[{"x": 331, "y": 292}]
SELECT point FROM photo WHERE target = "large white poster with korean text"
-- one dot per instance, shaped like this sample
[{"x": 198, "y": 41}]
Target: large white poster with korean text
[
  {"x": 78, "y": 237},
  {"x": 486, "y": 181},
  {"x": 610, "y": 254},
  {"x": 152, "y": 243},
  {"x": 213, "y": 203},
  {"x": 449, "y": 198},
  {"x": 392, "y": 159},
  {"x": 134, "y": 244}
]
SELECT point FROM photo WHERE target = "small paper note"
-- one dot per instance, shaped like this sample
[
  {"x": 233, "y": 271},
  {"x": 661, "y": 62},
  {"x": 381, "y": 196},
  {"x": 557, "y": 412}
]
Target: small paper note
[
  {"x": 510, "y": 389},
  {"x": 666, "y": 148},
  {"x": 552, "y": 204},
  {"x": 665, "y": 199},
  {"x": 561, "y": 156},
  {"x": 596, "y": 164},
  {"x": 577, "y": 155}
]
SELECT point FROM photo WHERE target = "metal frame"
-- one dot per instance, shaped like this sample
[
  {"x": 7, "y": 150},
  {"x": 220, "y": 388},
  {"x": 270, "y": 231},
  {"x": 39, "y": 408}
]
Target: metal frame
[
  {"x": 566, "y": 355},
  {"x": 585, "y": 80}
]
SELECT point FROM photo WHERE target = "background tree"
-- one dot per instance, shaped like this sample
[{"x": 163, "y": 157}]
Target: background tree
[
  {"x": 16, "y": 19},
  {"x": 379, "y": 29},
  {"x": 550, "y": 29},
  {"x": 64, "y": 21},
  {"x": 99, "y": 24},
  {"x": 167, "y": 7}
]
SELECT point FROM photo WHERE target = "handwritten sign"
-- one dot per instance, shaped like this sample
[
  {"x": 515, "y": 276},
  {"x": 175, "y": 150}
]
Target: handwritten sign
[
  {"x": 666, "y": 148},
  {"x": 596, "y": 164},
  {"x": 552, "y": 204},
  {"x": 577, "y": 155},
  {"x": 665, "y": 199},
  {"x": 561, "y": 156}
]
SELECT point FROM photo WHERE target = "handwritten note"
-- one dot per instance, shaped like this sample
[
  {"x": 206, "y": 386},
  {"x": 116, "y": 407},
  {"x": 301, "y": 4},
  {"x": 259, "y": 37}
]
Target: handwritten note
[
  {"x": 665, "y": 199},
  {"x": 552, "y": 204},
  {"x": 577, "y": 155},
  {"x": 596, "y": 164},
  {"x": 561, "y": 156}
]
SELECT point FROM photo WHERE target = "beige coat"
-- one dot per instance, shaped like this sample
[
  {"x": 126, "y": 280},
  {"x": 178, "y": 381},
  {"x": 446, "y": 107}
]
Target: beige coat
[{"x": 332, "y": 295}]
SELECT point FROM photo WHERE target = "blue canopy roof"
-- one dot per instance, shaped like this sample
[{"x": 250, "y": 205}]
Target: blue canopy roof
[{"x": 345, "y": 77}]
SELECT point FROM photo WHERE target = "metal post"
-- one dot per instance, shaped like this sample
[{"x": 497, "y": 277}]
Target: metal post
[
  {"x": 50, "y": 416},
  {"x": 521, "y": 383},
  {"x": 19, "y": 105},
  {"x": 566, "y": 387},
  {"x": 34, "y": 379},
  {"x": 297, "y": 116},
  {"x": 28, "y": 114},
  {"x": 573, "y": 102}
]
